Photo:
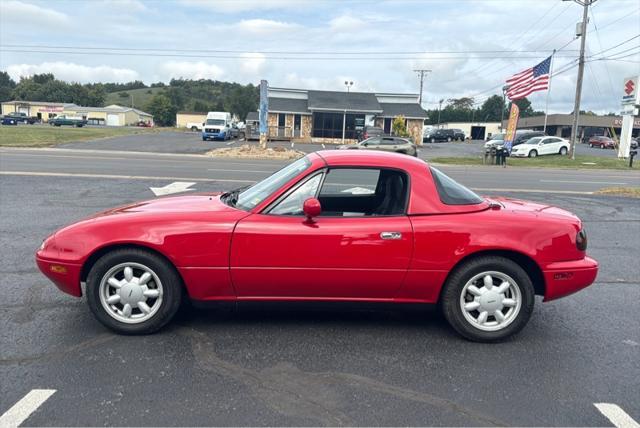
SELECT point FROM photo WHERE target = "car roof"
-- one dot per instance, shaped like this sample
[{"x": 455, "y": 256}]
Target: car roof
[{"x": 370, "y": 158}]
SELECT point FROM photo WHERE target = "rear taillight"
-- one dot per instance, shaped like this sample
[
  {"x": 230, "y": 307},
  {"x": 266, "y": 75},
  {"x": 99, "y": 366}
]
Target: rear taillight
[{"x": 581, "y": 240}]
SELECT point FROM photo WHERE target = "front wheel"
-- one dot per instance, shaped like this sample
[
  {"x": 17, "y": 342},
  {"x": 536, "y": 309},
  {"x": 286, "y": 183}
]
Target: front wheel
[
  {"x": 449, "y": 139},
  {"x": 563, "y": 151},
  {"x": 488, "y": 299},
  {"x": 533, "y": 154},
  {"x": 591, "y": 145},
  {"x": 133, "y": 291},
  {"x": 194, "y": 128},
  {"x": 433, "y": 140}
]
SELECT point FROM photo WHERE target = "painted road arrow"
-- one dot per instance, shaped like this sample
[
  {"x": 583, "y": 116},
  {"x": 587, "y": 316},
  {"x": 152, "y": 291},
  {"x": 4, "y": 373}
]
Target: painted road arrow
[{"x": 175, "y": 187}]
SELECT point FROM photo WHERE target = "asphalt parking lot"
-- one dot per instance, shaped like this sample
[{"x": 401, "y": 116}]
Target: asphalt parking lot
[
  {"x": 185, "y": 142},
  {"x": 296, "y": 367}
]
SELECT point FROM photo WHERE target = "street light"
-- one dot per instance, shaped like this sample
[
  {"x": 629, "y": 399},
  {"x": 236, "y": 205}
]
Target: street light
[
  {"x": 348, "y": 84},
  {"x": 439, "y": 108},
  {"x": 505, "y": 88}
]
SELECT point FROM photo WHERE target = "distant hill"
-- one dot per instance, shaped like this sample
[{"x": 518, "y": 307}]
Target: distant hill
[{"x": 140, "y": 96}]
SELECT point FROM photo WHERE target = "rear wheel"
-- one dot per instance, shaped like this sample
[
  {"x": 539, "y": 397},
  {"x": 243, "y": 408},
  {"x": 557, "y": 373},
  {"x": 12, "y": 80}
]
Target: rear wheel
[
  {"x": 591, "y": 145},
  {"x": 448, "y": 139},
  {"x": 133, "y": 291},
  {"x": 194, "y": 128},
  {"x": 488, "y": 299},
  {"x": 533, "y": 154},
  {"x": 602, "y": 146}
]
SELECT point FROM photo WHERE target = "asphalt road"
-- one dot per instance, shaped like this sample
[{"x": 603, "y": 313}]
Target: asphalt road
[
  {"x": 191, "y": 143},
  {"x": 294, "y": 367},
  {"x": 239, "y": 172}
]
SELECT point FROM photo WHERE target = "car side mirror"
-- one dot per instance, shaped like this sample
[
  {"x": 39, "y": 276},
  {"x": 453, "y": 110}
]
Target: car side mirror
[{"x": 311, "y": 208}]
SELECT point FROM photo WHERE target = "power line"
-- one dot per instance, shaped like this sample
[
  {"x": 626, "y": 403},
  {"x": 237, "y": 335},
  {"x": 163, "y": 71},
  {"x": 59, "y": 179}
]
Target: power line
[{"x": 619, "y": 44}]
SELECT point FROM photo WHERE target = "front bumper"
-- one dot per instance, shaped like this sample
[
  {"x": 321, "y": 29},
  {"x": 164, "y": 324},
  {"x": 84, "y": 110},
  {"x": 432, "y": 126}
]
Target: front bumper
[
  {"x": 66, "y": 276},
  {"x": 564, "y": 278},
  {"x": 215, "y": 135}
]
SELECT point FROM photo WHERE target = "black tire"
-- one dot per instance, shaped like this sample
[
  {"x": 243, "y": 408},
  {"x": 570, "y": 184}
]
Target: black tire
[
  {"x": 449, "y": 139},
  {"x": 450, "y": 298},
  {"x": 591, "y": 145},
  {"x": 563, "y": 151},
  {"x": 194, "y": 129},
  {"x": 533, "y": 154},
  {"x": 433, "y": 140},
  {"x": 171, "y": 284}
]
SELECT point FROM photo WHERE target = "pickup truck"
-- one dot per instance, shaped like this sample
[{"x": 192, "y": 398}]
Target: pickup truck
[
  {"x": 68, "y": 120},
  {"x": 21, "y": 117}
]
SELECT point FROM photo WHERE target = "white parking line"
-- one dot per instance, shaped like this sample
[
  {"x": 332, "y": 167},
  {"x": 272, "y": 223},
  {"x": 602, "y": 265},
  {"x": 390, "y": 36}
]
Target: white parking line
[
  {"x": 618, "y": 417},
  {"x": 581, "y": 182},
  {"x": 25, "y": 407}
]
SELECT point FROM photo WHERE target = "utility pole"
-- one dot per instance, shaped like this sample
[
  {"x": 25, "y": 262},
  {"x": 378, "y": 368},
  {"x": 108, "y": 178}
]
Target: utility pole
[
  {"x": 583, "y": 39},
  {"x": 421, "y": 72}
]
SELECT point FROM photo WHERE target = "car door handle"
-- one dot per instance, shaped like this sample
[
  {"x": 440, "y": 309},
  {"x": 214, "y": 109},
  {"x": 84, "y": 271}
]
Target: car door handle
[{"x": 390, "y": 235}]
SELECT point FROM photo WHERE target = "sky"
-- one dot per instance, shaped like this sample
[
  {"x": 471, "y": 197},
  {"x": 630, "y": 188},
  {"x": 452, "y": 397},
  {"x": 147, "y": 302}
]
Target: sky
[{"x": 470, "y": 46}]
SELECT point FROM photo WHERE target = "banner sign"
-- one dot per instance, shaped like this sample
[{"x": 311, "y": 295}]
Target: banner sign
[
  {"x": 514, "y": 114},
  {"x": 264, "y": 106},
  {"x": 631, "y": 92}
]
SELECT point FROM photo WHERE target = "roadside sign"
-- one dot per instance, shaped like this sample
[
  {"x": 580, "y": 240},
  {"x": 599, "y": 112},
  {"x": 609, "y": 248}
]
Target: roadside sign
[
  {"x": 630, "y": 91},
  {"x": 514, "y": 114}
]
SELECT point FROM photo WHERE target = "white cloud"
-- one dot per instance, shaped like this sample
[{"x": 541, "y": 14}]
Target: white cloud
[
  {"x": 252, "y": 64},
  {"x": 233, "y": 6},
  {"x": 72, "y": 72},
  {"x": 27, "y": 14},
  {"x": 191, "y": 70},
  {"x": 346, "y": 23},
  {"x": 265, "y": 26}
]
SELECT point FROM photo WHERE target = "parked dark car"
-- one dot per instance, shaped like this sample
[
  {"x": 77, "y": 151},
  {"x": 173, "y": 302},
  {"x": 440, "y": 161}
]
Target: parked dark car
[
  {"x": 523, "y": 137},
  {"x": 458, "y": 134},
  {"x": 22, "y": 118},
  {"x": 387, "y": 144},
  {"x": 8, "y": 120},
  {"x": 437, "y": 135},
  {"x": 602, "y": 142},
  {"x": 369, "y": 131}
]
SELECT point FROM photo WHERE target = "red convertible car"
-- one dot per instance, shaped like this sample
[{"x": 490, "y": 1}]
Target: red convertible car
[{"x": 352, "y": 226}]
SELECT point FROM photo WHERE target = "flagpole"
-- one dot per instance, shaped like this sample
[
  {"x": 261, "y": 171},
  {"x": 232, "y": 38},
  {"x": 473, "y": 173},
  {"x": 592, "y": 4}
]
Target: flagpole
[{"x": 546, "y": 105}]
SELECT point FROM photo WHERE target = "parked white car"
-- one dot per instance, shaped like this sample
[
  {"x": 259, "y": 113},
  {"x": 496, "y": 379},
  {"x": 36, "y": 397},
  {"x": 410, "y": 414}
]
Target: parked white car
[
  {"x": 195, "y": 126},
  {"x": 538, "y": 146}
]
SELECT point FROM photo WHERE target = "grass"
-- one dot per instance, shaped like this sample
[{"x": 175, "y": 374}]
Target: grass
[
  {"x": 47, "y": 136},
  {"x": 581, "y": 162},
  {"x": 631, "y": 192}
]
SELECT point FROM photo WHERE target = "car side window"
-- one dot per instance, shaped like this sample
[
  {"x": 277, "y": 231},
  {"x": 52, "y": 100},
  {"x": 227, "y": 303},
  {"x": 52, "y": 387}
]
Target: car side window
[
  {"x": 389, "y": 141},
  {"x": 373, "y": 141},
  {"x": 351, "y": 192},
  {"x": 292, "y": 203}
]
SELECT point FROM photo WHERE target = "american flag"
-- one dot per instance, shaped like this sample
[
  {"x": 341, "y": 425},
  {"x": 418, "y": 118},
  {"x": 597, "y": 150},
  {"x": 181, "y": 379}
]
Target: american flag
[{"x": 530, "y": 80}]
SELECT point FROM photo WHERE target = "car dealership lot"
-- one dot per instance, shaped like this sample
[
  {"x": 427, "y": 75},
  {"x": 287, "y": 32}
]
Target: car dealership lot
[{"x": 298, "y": 367}]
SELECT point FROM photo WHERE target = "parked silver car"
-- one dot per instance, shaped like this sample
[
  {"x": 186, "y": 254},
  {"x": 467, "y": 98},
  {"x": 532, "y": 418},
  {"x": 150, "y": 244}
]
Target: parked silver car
[{"x": 387, "y": 144}]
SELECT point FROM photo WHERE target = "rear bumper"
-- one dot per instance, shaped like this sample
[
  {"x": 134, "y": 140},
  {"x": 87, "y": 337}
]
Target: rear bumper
[
  {"x": 564, "y": 278},
  {"x": 65, "y": 276}
]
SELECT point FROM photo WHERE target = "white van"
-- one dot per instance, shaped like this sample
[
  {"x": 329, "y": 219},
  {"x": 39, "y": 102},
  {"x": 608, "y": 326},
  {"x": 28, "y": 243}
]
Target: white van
[{"x": 217, "y": 126}]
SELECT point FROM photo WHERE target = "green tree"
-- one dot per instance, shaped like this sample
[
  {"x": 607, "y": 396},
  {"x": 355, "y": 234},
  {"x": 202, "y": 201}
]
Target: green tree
[
  {"x": 7, "y": 85},
  {"x": 491, "y": 109},
  {"x": 464, "y": 103},
  {"x": 163, "y": 111},
  {"x": 399, "y": 126},
  {"x": 525, "y": 107}
]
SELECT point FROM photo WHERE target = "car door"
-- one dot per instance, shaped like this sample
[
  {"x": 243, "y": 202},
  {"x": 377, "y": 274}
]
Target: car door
[
  {"x": 388, "y": 144},
  {"x": 348, "y": 252},
  {"x": 550, "y": 146},
  {"x": 373, "y": 143}
]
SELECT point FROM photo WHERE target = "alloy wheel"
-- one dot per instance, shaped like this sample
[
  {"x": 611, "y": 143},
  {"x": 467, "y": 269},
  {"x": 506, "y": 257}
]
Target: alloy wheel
[
  {"x": 131, "y": 293},
  {"x": 490, "y": 301}
]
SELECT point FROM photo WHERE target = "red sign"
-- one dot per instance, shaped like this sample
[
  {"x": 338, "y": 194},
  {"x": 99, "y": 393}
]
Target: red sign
[{"x": 629, "y": 87}]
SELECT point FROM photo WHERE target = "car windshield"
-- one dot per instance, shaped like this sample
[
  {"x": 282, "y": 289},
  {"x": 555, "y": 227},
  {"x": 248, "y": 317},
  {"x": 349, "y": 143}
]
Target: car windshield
[
  {"x": 217, "y": 122},
  {"x": 254, "y": 195},
  {"x": 534, "y": 140},
  {"x": 451, "y": 192},
  {"x": 497, "y": 137}
]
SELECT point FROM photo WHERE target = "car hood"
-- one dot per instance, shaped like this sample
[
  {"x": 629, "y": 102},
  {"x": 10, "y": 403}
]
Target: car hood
[{"x": 209, "y": 202}]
